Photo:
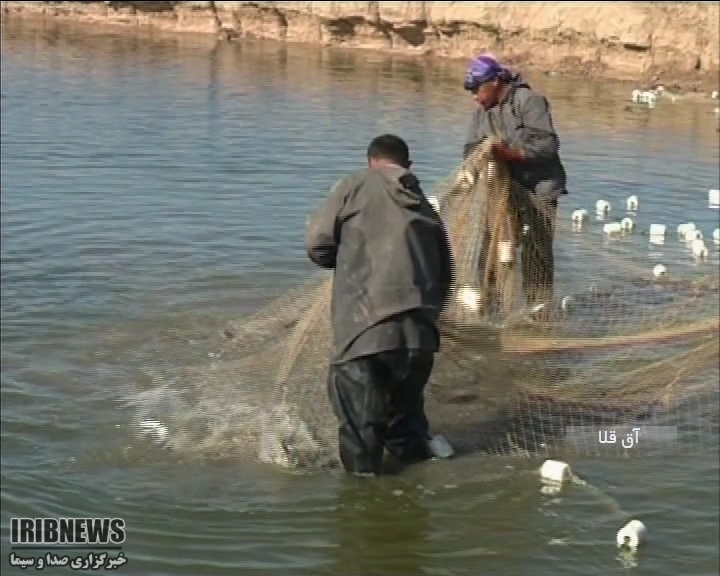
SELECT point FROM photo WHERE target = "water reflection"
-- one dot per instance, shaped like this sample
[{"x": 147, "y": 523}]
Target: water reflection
[
  {"x": 372, "y": 80},
  {"x": 379, "y": 530}
]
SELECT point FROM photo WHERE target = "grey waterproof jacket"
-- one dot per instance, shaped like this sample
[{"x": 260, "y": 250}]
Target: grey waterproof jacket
[
  {"x": 392, "y": 261},
  {"x": 524, "y": 119}
]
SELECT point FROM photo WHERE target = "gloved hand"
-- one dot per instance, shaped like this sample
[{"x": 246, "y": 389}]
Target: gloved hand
[{"x": 503, "y": 152}]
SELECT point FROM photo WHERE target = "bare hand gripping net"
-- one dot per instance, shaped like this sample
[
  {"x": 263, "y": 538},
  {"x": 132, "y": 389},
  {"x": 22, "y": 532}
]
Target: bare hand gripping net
[{"x": 615, "y": 346}]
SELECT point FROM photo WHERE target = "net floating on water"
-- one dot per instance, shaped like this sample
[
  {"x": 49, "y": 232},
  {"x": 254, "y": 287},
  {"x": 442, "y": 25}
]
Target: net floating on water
[{"x": 623, "y": 347}]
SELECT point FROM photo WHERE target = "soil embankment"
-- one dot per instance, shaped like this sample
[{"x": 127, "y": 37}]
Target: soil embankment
[{"x": 676, "y": 44}]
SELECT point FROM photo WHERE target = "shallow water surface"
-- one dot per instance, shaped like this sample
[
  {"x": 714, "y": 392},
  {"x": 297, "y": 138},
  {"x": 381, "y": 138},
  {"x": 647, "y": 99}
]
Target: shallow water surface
[{"x": 152, "y": 189}]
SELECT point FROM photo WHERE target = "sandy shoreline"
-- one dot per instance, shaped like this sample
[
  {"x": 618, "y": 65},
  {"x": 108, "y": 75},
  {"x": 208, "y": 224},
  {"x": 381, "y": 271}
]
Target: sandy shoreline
[{"x": 675, "y": 44}]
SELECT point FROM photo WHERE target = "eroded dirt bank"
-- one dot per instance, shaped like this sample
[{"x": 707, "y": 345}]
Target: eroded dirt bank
[{"x": 676, "y": 44}]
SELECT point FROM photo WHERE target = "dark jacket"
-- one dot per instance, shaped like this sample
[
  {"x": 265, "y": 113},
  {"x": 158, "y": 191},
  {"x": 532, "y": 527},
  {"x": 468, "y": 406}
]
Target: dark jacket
[
  {"x": 524, "y": 119},
  {"x": 392, "y": 262}
]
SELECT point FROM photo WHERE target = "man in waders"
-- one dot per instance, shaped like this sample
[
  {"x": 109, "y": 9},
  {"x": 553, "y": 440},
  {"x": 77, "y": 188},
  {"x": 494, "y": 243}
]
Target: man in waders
[
  {"x": 508, "y": 107},
  {"x": 392, "y": 276}
]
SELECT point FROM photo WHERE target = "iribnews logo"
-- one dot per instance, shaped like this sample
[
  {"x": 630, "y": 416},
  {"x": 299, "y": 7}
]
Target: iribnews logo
[{"x": 67, "y": 533}]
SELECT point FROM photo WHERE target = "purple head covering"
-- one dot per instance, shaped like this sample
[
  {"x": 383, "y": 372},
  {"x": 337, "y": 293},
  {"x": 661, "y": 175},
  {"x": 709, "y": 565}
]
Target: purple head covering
[{"x": 480, "y": 70}]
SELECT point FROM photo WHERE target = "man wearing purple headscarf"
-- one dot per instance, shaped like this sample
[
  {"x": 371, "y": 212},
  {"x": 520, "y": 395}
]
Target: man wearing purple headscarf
[{"x": 509, "y": 108}]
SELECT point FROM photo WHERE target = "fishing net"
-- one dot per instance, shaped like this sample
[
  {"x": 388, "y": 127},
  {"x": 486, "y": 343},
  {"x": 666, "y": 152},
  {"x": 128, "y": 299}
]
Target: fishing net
[{"x": 615, "y": 344}]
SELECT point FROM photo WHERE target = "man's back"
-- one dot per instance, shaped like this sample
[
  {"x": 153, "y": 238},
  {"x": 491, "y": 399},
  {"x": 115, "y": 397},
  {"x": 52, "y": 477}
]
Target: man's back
[
  {"x": 393, "y": 274},
  {"x": 392, "y": 265}
]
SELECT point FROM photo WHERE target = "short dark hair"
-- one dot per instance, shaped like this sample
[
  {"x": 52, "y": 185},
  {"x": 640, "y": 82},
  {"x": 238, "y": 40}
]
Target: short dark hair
[{"x": 389, "y": 147}]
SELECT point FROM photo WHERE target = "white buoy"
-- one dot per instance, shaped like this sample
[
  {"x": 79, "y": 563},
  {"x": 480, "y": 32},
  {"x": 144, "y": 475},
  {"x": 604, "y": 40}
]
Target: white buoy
[
  {"x": 659, "y": 271},
  {"x": 491, "y": 169},
  {"x": 466, "y": 177},
  {"x": 714, "y": 197},
  {"x": 714, "y": 95},
  {"x": 556, "y": 471},
  {"x": 632, "y": 535},
  {"x": 644, "y": 96},
  {"x": 440, "y": 447},
  {"x": 685, "y": 230},
  {"x": 469, "y": 298},
  {"x": 579, "y": 216},
  {"x": 699, "y": 250},
  {"x": 657, "y": 230},
  {"x": 434, "y": 202},
  {"x": 632, "y": 203},
  {"x": 602, "y": 207},
  {"x": 506, "y": 252},
  {"x": 716, "y": 235},
  {"x": 627, "y": 225},
  {"x": 694, "y": 235},
  {"x": 657, "y": 240},
  {"x": 612, "y": 228}
]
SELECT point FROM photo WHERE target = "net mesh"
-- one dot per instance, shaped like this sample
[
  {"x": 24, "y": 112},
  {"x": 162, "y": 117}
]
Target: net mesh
[{"x": 618, "y": 346}]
